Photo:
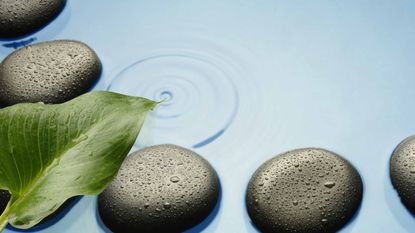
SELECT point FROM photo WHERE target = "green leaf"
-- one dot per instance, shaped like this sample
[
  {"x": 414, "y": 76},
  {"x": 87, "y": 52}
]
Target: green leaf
[{"x": 50, "y": 153}]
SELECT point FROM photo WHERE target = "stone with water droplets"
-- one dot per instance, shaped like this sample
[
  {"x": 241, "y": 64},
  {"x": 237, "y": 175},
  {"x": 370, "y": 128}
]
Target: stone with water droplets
[
  {"x": 21, "y": 17},
  {"x": 166, "y": 188},
  {"x": 307, "y": 190},
  {"x": 402, "y": 172},
  {"x": 49, "y": 72}
]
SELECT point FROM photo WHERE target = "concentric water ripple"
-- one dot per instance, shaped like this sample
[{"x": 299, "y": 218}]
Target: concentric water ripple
[{"x": 200, "y": 98}]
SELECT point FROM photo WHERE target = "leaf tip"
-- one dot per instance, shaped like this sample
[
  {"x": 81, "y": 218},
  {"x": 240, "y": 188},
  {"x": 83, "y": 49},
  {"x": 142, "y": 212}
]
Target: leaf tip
[{"x": 153, "y": 104}]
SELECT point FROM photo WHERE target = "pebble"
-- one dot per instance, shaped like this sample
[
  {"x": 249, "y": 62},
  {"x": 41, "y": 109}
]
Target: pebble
[
  {"x": 402, "y": 172},
  {"x": 22, "y": 17},
  {"x": 50, "y": 72},
  {"x": 164, "y": 188},
  {"x": 307, "y": 190}
]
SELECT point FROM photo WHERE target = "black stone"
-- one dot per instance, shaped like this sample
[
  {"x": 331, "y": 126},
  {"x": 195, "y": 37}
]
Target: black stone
[
  {"x": 49, "y": 72},
  {"x": 21, "y": 17},
  {"x": 402, "y": 172},
  {"x": 304, "y": 191},
  {"x": 4, "y": 199},
  {"x": 163, "y": 188}
]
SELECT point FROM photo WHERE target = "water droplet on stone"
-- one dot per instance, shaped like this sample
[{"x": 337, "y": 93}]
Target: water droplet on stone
[
  {"x": 167, "y": 205},
  {"x": 174, "y": 179},
  {"x": 329, "y": 184}
]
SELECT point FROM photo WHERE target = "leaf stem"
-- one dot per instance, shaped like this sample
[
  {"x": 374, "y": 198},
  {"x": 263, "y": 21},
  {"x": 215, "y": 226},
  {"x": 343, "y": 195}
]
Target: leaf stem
[{"x": 4, "y": 217}]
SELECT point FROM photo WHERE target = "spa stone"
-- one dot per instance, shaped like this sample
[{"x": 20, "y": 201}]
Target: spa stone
[
  {"x": 162, "y": 188},
  {"x": 50, "y": 72},
  {"x": 402, "y": 172},
  {"x": 304, "y": 191},
  {"x": 22, "y": 17}
]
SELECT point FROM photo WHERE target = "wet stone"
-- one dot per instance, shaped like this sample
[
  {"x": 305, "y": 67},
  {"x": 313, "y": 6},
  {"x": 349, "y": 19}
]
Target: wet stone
[
  {"x": 166, "y": 188},
  {"x": 402, "y": 172},
  {"x": 304, "y": 191},
  {"x": 21, "y": 17},
  {"x": 4, "y": 199},
  {"x": 49, "y": 72}
]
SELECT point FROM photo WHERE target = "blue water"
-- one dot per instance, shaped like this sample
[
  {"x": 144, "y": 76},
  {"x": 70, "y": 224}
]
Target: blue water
[{"x": 246, "y": 80}]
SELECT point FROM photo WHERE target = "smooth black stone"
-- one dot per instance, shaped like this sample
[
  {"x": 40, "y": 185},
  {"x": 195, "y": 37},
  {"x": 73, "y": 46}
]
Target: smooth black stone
[
  {"x": 21, "y": 17},
  {"x": 49, "y": 72},
  {"x": 163, "y": 188},
  {"x": 4, "y": 199},
  {"x": 402, "y": 172},
  {"x": 304, "y": 191}
]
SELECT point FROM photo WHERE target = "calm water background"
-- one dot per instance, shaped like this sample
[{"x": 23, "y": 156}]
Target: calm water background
[{"x": 247, "y": 80}]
